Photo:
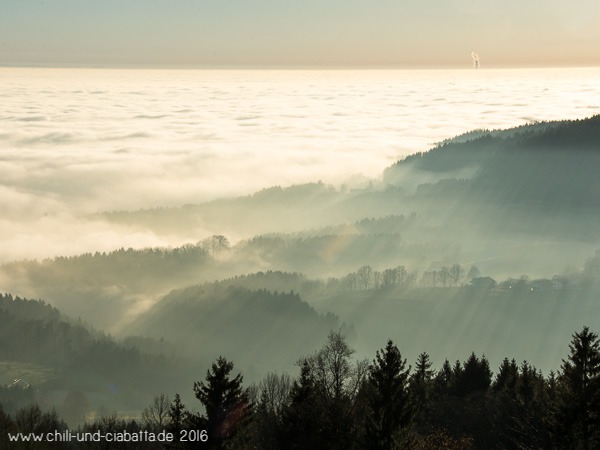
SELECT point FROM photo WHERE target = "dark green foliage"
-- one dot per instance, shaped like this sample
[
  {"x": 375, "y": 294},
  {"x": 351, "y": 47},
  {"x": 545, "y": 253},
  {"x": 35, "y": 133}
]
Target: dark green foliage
[
  {"x": 335, "y": 404},
  {"x": 76, "y": 357},
  {"x": 387, "y": 398},
  {"x": 226, "y": 404},
  {"x": 303, "y": 420},
  {"x": 474, "y": 376},
  {"x": 579, "y": 391},
  {"x": 506, "y": 379},
  {"x": 420, "y": 385},
  {"x": 178, "y": 415},
  {"x": 179, "y": 419},
  {"x": 457, "y": 403},
  {"x": 423, "y": 372},
  {"x": 444, "y": 381}
]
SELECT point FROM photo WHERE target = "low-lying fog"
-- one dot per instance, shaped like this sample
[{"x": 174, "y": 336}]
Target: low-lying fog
[{"x": 74, "y": 142}]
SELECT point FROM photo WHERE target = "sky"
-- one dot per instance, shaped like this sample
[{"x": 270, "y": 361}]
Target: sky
[{"x": 420, "y": 33}]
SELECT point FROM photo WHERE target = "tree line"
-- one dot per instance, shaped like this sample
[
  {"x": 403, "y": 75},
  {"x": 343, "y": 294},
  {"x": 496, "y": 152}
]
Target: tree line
[{"x": 336, "y": 402}]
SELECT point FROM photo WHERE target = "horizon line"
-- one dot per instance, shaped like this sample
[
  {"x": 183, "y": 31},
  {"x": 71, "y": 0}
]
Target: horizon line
[{"x": 142, "y": 66}]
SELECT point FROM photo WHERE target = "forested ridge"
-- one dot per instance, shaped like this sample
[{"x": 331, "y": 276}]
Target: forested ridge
[
  {"x": 75, "y": 356},
  {"x": 263, "y": 329}
]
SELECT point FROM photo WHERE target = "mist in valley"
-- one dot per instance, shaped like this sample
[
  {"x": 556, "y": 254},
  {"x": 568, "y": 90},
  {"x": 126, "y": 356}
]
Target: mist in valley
[{"x": 141, "y": 252}]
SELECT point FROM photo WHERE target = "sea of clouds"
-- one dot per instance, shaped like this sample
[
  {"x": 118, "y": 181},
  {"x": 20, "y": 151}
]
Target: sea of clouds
[{"x": 74, "y": 142}]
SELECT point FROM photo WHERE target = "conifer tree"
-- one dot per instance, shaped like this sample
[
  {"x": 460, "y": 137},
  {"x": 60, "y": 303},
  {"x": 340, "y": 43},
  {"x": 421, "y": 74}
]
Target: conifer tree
[
  {"x": 444, "y": 380},
  {"x": 387, "y": 397},
  {"x": 420, "y": 382},
  {"x": 506, "y": 380},
  {"x": 303, "y": 418},
  {"x": 226, "y": 403},
  {"x": 580, "y": 391},
  {"x": 177, "y": 416},
  {"x": 475, "y": 375},
  {"x": 179, "y": 419},
  {"x": 526, "y": 384}
]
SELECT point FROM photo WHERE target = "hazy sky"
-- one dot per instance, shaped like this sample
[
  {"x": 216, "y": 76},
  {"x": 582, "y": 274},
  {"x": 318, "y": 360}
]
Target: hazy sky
[{"x": 307, "y": 32}]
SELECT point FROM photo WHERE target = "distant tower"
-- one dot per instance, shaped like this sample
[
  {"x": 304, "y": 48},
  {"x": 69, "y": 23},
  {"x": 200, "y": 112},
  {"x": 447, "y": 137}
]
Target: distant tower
[{"x": 475, "y": 57}]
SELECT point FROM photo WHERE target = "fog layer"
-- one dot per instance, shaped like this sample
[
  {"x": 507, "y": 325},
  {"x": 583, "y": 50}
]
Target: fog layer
[{"x": 75, "y": 142}]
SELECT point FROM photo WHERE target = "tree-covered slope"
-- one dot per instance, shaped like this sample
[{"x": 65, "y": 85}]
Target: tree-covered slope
[
  {"x": 259, "y": 329},
  {"x": 56, "y": 354},
  {"x": 554, "y": 166}
]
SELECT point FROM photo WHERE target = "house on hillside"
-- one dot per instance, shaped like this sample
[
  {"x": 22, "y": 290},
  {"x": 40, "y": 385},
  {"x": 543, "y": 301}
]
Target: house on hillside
[
  {"x": 19, "y": 384},
  {"x": 483, "y": 283}
]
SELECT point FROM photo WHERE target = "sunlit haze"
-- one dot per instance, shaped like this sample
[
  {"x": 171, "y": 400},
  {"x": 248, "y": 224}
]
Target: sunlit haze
[{"x": 80, "y": 141}]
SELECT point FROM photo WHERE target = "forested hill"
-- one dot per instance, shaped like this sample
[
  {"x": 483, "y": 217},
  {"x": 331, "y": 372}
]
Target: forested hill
[
  {"x": 56, "y": 354},
  {"x": 28, "y": 309},
  {"x": 262, "y": 330},
  {"x": 102, "y": 287},
  {"x": 554, "y": 166}
]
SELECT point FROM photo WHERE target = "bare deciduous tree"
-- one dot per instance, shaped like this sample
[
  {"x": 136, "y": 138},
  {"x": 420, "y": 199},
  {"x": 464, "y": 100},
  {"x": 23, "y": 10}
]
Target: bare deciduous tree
[{"x": 156, "y": 415}]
